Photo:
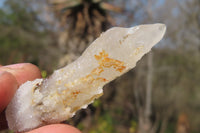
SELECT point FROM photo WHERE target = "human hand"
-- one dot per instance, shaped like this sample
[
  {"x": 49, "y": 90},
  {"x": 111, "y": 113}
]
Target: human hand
[{"x": 11, "y": 77}]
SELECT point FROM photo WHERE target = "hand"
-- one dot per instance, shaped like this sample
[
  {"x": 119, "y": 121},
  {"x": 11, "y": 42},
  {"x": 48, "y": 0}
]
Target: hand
[{"x": 11, "y": 77}]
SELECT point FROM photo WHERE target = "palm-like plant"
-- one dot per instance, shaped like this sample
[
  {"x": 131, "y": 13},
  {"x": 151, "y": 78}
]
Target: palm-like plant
[{"x": 81, "y": 21}]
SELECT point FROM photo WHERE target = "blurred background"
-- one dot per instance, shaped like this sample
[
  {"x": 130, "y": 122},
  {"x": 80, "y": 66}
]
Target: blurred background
[{"x": 160, "y": 95}]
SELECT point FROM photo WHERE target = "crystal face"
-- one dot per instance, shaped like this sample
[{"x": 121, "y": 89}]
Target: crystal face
[{"x": 52, "y": 100}]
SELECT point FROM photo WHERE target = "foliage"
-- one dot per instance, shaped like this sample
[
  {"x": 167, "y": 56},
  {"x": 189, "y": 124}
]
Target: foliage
[
  {"x": 96, "y": 103},
  {"x": 44, "y": 74},
  {"x": 133, "y": 127},
  {"x": 104, "y": 125},
  {"x": 22, "y": 39}
]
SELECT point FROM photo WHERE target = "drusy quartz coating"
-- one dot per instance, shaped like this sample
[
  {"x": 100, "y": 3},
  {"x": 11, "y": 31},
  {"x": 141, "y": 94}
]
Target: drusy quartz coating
[{"x": 45, "y": 101}]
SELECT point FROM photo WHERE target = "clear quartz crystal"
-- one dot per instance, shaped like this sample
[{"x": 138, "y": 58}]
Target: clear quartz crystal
[{"x": 52, "y": 100}]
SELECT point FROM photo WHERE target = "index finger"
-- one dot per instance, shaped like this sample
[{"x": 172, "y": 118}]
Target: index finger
[{"x": 22, "y": 72}]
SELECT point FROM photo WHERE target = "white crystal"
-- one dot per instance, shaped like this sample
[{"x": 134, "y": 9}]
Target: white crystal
[{"x": 73, "y": 87}]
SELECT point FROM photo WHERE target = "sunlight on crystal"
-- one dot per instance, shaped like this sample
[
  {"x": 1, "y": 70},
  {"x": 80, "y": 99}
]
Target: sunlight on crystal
[{"x": 52, "y": 100}]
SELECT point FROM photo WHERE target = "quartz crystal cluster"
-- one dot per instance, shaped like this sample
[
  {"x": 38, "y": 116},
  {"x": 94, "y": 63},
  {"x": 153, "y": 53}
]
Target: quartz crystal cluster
[{"x": 57, "y": 98}]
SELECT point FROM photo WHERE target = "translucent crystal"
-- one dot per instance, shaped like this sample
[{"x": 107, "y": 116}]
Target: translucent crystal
[{"x": 52, "y": 100}]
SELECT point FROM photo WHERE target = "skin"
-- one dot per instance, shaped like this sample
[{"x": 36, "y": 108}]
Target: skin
[{"x": 11, "y": 77}]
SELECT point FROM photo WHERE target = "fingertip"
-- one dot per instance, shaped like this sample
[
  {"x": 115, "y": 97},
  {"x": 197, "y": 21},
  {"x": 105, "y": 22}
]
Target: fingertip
[
  {"x": 30, "y": 72},
  {"x": 56, "y": 128},
  {"x": 23, "y": 72},
  {"x": 8, "y": 86}
]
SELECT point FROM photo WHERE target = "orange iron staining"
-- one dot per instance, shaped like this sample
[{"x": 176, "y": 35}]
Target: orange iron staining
[{"x": 106, "y": 62}]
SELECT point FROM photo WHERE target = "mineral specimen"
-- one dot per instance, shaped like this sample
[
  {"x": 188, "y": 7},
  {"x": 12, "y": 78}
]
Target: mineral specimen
[{"x": 57, "y": 98}]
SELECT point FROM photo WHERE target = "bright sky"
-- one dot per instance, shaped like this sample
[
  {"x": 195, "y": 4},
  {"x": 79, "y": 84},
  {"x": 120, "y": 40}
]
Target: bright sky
[{"x": 1, "y": 2}]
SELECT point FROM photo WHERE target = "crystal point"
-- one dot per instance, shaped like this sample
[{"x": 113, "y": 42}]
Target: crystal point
[{"x": 52, "y": 100}]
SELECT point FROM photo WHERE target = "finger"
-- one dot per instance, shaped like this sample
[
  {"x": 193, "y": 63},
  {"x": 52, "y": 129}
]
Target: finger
[
  {"x": 8, "y": 86},
  {"x": 56, "y": 128},
  {"x": 23, "y": 72}
]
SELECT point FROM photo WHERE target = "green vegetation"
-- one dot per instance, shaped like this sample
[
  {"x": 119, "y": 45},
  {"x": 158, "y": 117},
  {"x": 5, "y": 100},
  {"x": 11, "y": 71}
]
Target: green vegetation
[
  {"x": 23, "y": 38},
  {"x": 104, "y": 124}
]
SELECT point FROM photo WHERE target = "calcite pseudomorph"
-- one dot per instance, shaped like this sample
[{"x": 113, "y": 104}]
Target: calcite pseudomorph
[{"x": 53, "y": 100}]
